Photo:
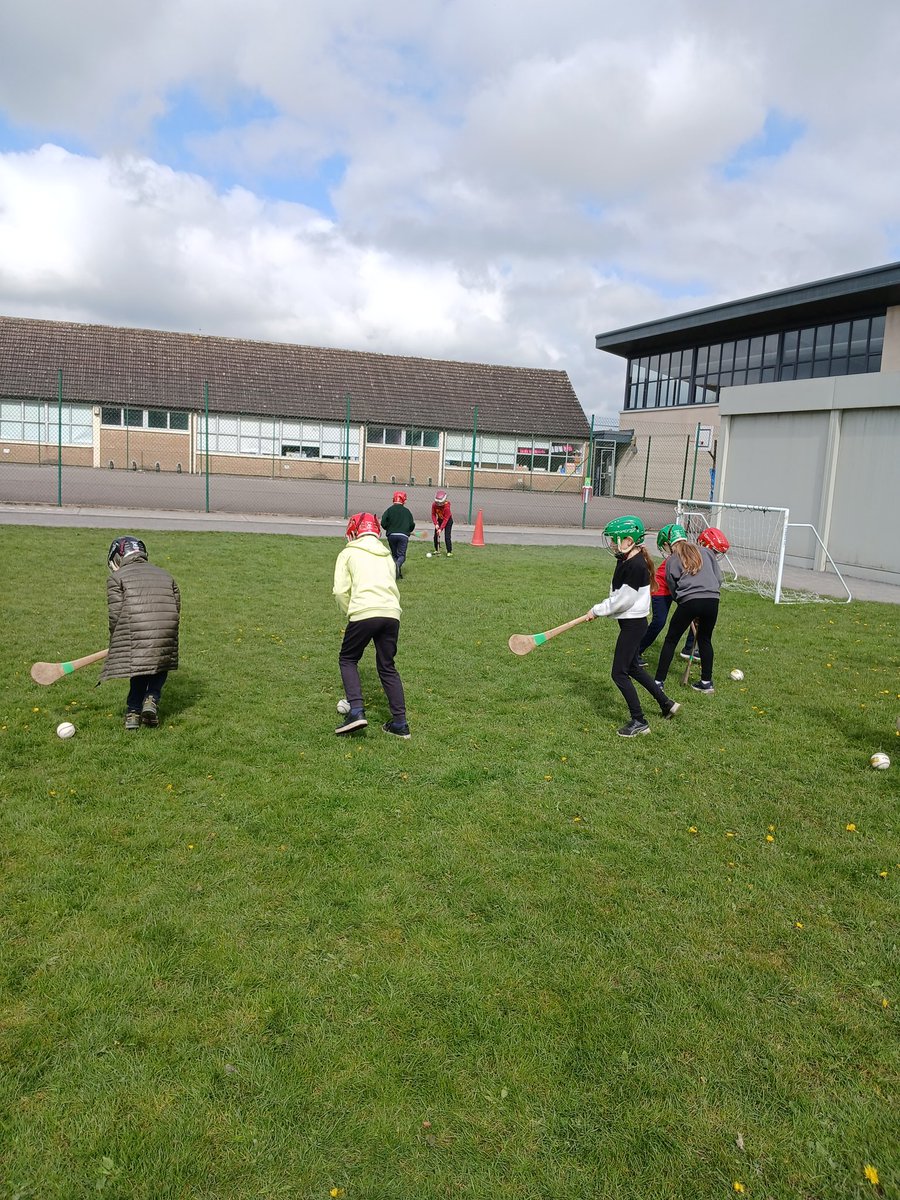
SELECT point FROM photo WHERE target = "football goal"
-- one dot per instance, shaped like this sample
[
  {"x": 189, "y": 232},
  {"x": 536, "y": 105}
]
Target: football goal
[{"x": 759, "y": 538}]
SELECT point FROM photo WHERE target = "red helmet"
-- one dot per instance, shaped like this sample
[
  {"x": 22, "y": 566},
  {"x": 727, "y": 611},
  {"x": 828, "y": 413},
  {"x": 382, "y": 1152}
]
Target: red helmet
[
  {"x": 440, "y": 497},
  {"x": 361, "y": 523},
  {"x": 714, "y": 539},
  {"x": 399, "y": 497}
]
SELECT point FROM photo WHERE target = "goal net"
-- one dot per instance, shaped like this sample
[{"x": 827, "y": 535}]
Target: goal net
[{"x": 755, "y": 559}]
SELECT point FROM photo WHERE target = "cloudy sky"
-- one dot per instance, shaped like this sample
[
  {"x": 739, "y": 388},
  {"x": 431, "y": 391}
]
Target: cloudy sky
[{"x": 468, "y": 179}]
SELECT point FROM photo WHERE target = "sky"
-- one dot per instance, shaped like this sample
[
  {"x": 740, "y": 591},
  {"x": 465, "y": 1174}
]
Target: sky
[{"x": 478, "y": 180}]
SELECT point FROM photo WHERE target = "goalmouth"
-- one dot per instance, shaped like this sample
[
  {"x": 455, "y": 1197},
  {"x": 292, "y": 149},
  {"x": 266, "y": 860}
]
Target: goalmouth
[{"x": 758, "y": 537}]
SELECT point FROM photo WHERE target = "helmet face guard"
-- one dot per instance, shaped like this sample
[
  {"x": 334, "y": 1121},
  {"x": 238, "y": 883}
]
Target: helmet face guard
[
  {"x": 399, "y": 497},
  {"x": 621, "y": 528},
  {"x": 123, "y": 550},
  {"x": 714, "y": 539},
  {"x": 362, "y": 523}
]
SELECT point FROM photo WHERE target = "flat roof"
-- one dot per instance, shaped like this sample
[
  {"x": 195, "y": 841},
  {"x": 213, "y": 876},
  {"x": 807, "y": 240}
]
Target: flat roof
[{"x": 843, "y": 296}]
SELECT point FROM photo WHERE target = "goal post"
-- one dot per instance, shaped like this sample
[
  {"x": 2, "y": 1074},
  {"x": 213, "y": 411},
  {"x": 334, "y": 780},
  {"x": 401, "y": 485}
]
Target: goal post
[{"x": 758, "y": 535}]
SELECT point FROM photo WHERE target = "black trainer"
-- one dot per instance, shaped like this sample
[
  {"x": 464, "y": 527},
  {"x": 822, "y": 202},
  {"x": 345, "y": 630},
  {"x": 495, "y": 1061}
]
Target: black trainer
[
  {"x": 671, "y": 710},
  {"x": 633, "y": 728},
  {"x": 401, "y": 731},
  {"x": 705, "y": 687},
  {"x": 353, "y": 721}
]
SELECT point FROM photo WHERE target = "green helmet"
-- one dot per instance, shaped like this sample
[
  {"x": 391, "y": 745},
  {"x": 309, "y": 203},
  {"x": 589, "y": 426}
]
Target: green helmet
[
  {"x": 670, "y": 534},
  {"x": 625, "y": 527}
]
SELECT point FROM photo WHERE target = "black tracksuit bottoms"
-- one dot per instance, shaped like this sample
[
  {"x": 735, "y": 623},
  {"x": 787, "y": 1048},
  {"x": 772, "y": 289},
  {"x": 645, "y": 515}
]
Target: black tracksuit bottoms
[
  {"x": 625, "y": 668},
  {"x": 384, "y": 632}
]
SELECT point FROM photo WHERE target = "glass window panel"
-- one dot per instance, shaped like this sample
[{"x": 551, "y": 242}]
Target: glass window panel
[
  {"x": 332, "y": 443},
  {"x": 738, "y": 378},
  {"x": 755, "y": 353},
  {"x": 805, "y": 346},
  {"x": 267, "y": 446},
  {"x": 11, "y": 429},
  {"x": 81, "y": 436},
  {"x": 803, "y": 370},
  {"x": 375, "y": 437},
  {"x": 823, "y": 342},
  {"x": 874, "y": 362},
  {"x": 226, "y": 443},
  {"x": 310, "y": 450},
  {"x": 249, "y": 445},
  {"x": 134, "y": 417},
  {"x": 249, "y": 428},
  {"x": 770, "y": 350},
  {"x": 702, "y": 359},
  {"x": 725, "y": 378},
  {"x": 821, "y": 368},
  {"x": 838, "y": 366},
  {"x": 878, "y": 326},
  {"x": 31, "y": 411},
  {"x": 727, "y": 358},
  {"x": 754, "y": 374},
  {"x": 178, "y": 420},
  {"x": 228, "y": 425},
  {"x": 157, "y": 419},
  {"x": 290, "y": 431},
  {"x": 393, "y": 436},
  {"x": 11, "y": 410},
  {"x": 789, "y": 346},
  {"x": 715, "y": 358},
  {"x": 859, "y": 337},
  {"x": 840, "y": 345},
  {"x": 111, "y": 416},
  {"x": 787, "y": 371},
  {"x": 431, "y": 439},
  {"x": 856, "y": 364},
  {"x": 876, "y": 336},
  {"x": 767, "y": 375},
  {"x": 741, "y": 350}
]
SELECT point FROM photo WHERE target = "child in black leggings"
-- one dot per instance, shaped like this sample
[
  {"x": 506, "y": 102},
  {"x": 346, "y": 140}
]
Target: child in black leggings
[
  {"x": 629, "y": 601},
  {"x": 695, "y": 581}
]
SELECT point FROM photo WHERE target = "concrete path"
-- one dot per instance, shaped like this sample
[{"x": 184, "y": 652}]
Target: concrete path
[{"x": 124, "y": 519}]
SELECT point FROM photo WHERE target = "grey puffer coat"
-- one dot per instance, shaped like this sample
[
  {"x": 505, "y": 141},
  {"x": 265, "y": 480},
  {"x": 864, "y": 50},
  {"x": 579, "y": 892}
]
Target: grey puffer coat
[{"x": 144, "y": 612}]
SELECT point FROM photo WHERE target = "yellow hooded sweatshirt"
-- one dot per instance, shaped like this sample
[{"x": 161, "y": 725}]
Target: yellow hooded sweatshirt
[{"x": 364, "y": 580}]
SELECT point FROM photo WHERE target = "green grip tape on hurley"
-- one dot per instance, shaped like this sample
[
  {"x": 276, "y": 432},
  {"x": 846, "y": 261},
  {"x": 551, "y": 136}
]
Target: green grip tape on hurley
[
  {"x": 540, "y": 638},
  {"x": 68, "y": 668}
]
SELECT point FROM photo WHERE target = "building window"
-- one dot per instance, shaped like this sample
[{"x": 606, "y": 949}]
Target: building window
[
  {"x": 394, "y": 435},
  {"x": 39, "y": 421},
  {"x": 267, "y": 437},
  {"x": 139, "y": 418},
  {"x": 695, "y": 376}
]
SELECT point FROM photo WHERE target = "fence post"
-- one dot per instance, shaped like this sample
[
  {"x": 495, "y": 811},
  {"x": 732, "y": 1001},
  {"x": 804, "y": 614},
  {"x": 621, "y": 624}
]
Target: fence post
[
  {"x": 347, "y": 459},
  {"x": 206, "y": 410},
  {"x": 647, "y": 466},
  {"x": 587, "y": 475},
  {"x": 59, "y": 438},
  {"x": 472, "y": 468},
  {"x": 687, "y": 450}
]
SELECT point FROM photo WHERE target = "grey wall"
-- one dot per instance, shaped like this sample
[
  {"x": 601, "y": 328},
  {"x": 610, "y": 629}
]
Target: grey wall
[{"x": 829, "y": 450}]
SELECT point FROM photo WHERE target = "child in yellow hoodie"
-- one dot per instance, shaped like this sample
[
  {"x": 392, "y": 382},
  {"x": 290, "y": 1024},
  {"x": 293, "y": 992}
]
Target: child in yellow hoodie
[{"x": 365, "y": 588}]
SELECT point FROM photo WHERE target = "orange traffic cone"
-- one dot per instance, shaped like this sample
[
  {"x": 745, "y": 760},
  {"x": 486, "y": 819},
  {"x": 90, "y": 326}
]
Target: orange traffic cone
[{"x": 478, "y": 535}]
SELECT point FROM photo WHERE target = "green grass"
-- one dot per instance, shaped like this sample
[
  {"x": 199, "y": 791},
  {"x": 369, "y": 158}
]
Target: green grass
[{"x": 242, "y": 958}]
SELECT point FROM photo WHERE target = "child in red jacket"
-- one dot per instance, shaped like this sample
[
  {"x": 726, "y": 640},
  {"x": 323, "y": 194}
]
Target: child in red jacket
[{"x": 442, "y": 520}]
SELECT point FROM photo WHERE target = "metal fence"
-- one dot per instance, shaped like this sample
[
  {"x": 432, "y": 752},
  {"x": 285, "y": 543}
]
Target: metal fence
[{"x": 72, "y": 453}]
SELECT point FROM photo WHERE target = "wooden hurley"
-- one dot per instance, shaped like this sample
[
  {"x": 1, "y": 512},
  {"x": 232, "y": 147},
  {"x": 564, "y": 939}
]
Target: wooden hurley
[
  {"x": 49, "y": 672},
  {"x": 524, "y": 643}
]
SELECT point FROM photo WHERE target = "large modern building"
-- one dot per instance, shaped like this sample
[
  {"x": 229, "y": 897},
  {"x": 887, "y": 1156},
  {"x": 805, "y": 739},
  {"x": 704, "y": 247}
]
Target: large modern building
[
  {"x": 152, "y": 400},
  {"x": 792, "y": 397}
]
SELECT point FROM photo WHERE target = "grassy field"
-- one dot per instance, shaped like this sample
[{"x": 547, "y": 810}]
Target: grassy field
[{"x": 514, "y": 957}]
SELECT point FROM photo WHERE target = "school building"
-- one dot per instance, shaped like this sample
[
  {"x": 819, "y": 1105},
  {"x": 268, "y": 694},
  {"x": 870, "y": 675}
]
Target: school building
[
  {"x": 139, "y": 399},
  {"x": 794, "y": 396}
]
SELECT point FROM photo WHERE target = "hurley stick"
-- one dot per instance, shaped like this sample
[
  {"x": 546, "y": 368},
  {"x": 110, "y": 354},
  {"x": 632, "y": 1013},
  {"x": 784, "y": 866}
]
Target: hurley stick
[
  {"x": 687, "y": 670},
  {"x": 524, "y": 643},
  {"x": 46, "y": 673}
]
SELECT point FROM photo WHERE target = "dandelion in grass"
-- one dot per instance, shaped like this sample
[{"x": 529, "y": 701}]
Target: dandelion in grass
[
  {"x": 738, "y": 1186},
  {"x": 336, "y": 1192},
  {"x": 798, "y": 924},
  {"x": 35, "y": 710},
  {"x": 871, "y": 1174},
  {"x": 730, "y": 833},
  {"x": 692, "y": 829},
  {"x": 771, "y": 829},
  {"x": 882, "y": 874},
  {"x": 885, "y": 1003},
  {"x": 770, "y": 837},
  {"x": 851, "y": 828}
]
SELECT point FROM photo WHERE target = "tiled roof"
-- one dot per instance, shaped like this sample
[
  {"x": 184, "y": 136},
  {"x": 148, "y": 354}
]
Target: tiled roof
[{"x": 147, "y": 368}]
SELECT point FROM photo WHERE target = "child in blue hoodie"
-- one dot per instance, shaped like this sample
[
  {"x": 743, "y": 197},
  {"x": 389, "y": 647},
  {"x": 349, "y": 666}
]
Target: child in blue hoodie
[{"x": 365, "y": 588}]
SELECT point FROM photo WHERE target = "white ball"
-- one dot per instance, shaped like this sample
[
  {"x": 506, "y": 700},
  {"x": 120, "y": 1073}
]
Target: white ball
[
  {"x": 736, "y": 674},
  {"x": 428, "y": 555},
  {"x": 65, "y": 729},
  {"x": 880, "y": 761},
  {"x": 343, "y": 707}
]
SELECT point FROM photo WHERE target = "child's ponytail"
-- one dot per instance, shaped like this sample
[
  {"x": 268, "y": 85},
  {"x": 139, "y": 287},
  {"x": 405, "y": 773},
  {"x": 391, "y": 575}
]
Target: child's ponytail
[{"x": 689, "y": 557}]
